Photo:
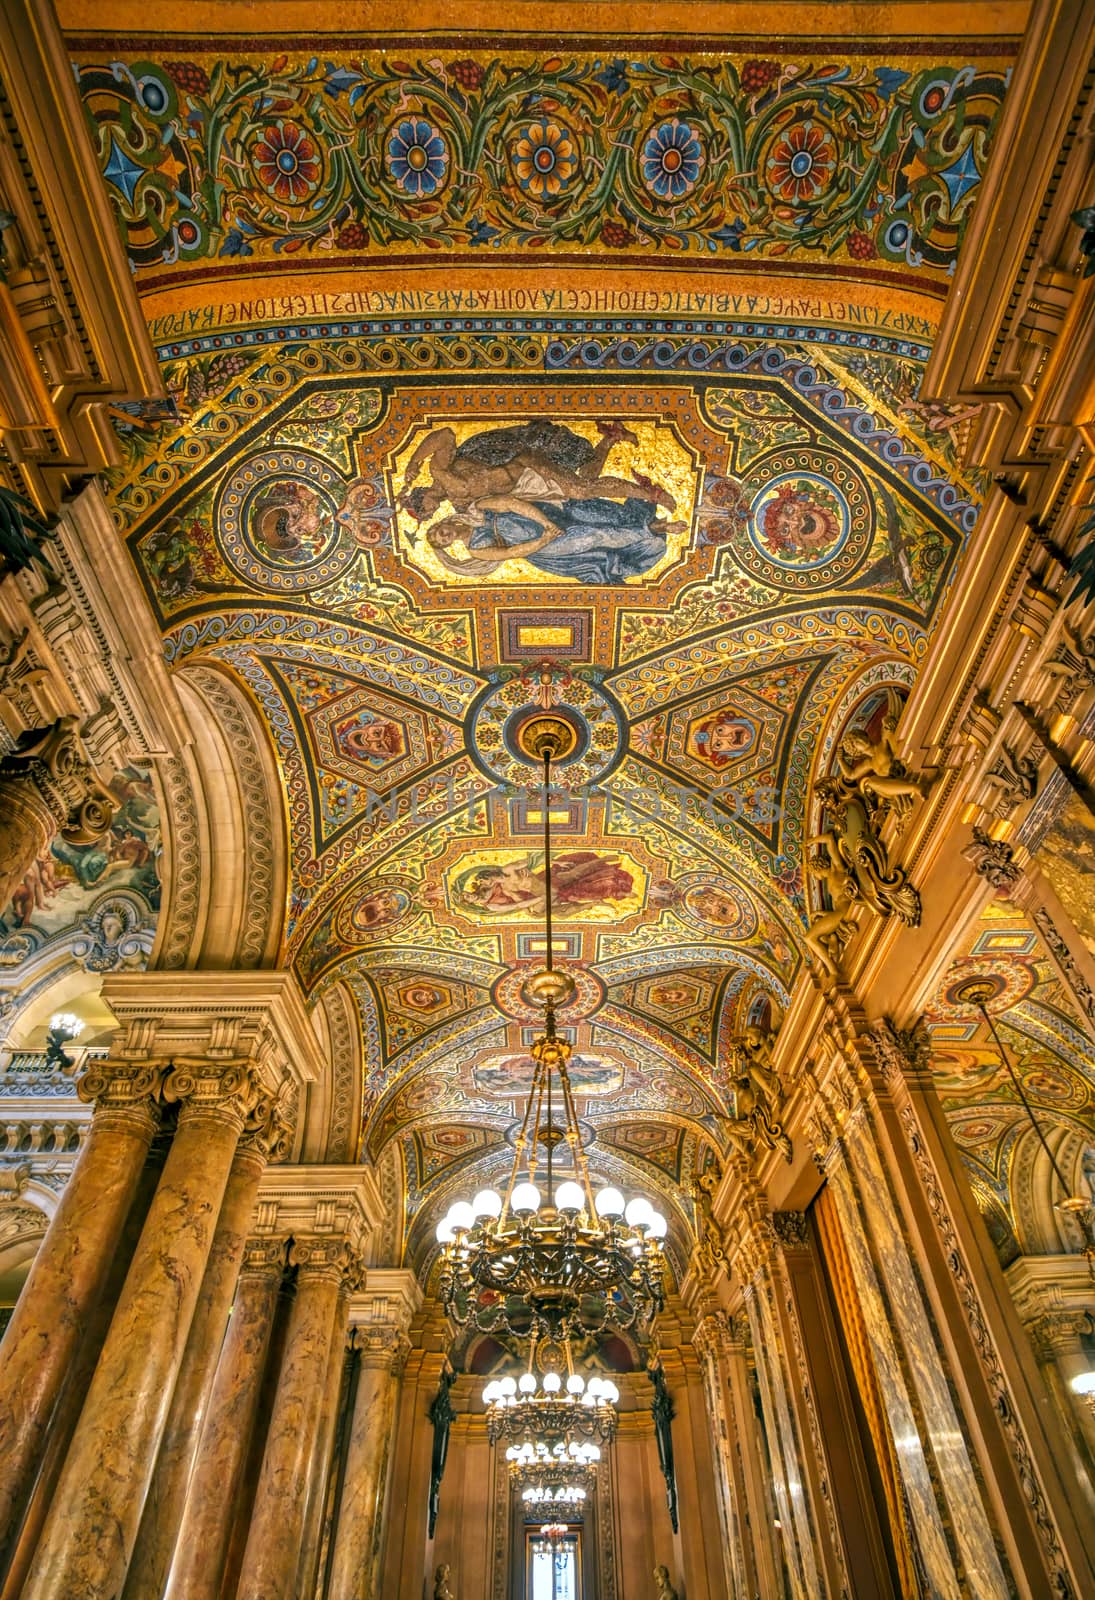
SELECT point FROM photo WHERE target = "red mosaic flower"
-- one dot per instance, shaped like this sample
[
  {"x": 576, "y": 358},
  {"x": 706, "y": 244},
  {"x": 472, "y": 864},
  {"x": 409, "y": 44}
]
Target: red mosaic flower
[
  {"x": 286, "y": 162},
  {"x": 801, "y": 162}
]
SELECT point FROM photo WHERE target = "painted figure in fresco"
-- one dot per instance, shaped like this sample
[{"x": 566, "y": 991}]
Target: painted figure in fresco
[
  {"x": 374, "y": 740},
  {"x": 171, "y": 556},
  {"x": 511, "y": 468},
  {"x": 720, "y": 738},
  {"x": 712, "y": 904},
  {"x": 378, "y": 908},
  {"x": 289, "y": 520},
  {"x": 592, "y": 541},
  {"x": 794, "y": 525},
  {"x": 582, "y": 878}
]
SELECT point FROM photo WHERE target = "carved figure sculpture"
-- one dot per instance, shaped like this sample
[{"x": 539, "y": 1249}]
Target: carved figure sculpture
[
  {"x": 758, "y": 1095},
  {"x": 830, "y": 930},
  {"x": 704, "y": 1187},
  {"x": 442, "y": 1589},
  {"x": 870, "y": 785},
  {"x": 663, "y": 1590}
]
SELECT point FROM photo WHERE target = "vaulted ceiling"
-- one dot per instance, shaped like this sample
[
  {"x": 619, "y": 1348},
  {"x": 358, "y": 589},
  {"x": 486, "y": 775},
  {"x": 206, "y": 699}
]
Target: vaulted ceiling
[{"x": 505, "y": 371}]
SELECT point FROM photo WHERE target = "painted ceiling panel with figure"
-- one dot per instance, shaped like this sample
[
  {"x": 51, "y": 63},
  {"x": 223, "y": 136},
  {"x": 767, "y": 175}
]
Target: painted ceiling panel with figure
[{"x": 410, "y": 488}]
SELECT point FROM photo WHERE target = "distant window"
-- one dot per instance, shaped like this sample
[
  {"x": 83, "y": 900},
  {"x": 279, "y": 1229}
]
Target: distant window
[{"x": 553, "y": 1570}]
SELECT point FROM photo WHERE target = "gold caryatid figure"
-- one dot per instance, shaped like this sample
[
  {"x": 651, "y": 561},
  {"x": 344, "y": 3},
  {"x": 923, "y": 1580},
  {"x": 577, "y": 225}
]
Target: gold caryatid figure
[
  {"x": 870, "y": 785},
  {"x": 758, "y": 1095}
]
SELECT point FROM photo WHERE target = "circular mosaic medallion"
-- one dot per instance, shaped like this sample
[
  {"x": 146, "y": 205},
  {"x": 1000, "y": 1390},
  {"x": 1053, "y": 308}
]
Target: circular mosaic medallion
[
  {"x": 1001, "y": 983},
  {"x": 509, "y": 995},
  {"x": 375, "y": 910},
  {"x": 810, "y": 520},
  {"x": 506, "y": 713},
  {"x": 711, "y": 903},
  {"x": 277, "y": 521}
]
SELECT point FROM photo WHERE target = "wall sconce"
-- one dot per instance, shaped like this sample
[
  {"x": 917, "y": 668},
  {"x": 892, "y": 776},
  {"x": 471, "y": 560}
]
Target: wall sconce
[{"x": 64, "y": 1026}]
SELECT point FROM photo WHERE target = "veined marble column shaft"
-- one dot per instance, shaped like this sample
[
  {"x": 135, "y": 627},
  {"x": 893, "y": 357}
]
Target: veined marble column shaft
[
  {"x": 292, "y": 1458},
  {"x": 353, "y": 1565},
  {"x": 316, "y": 1509},
  {"x": 89, "y": 1534},
  {"x": 206, "y": 1529},
  {"x": 163, "y": 1506},
  {"x": 64, "y": 1284}
]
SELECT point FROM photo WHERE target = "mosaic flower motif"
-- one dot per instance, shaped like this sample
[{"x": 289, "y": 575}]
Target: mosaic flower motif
[
  {"x": 417, "y": 157},
  {"x": 286, "y": 162},
  {"x": 671, "y": 160},
  {"x": 801, "y": 162},
  {"x": 545, "y": 158}
]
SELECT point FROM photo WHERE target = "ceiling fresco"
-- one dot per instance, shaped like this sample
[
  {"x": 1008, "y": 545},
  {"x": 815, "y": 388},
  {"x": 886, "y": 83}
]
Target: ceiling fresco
[{"x": 503, "y": 375}]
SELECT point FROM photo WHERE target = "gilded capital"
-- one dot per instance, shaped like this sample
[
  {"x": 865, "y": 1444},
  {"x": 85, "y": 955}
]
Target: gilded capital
[{"x": 264, "y": 1257}]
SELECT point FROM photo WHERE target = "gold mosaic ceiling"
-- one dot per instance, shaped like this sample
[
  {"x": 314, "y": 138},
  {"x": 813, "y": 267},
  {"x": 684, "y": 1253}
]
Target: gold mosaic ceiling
[{"x": 509, "y": 371}]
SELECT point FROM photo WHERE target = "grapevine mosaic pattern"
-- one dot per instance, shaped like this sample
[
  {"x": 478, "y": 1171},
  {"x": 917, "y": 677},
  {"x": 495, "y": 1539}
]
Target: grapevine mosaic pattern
[{"x": 218, "y": 157}]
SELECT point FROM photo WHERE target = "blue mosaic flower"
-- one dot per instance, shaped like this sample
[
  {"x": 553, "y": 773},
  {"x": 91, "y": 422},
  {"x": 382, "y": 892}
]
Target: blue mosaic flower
[
  {"x": 671, "y": 160},
  {"x": 417, "y": 158}
]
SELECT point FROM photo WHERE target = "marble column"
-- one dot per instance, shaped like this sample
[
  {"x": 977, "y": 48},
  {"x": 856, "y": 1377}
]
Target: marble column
[
  {"x": 354, "y": 1560},
  {"x": 316, "y": 1508},
  {"x": 66, "y": 1412},
  {"x": 88, "y": 1537},
  {"x": 163, "y": 1507},
  {"x": 67, "y": 1277},
  {"x": 291, "y": 1462},
  {"x": 206, "y": 1528}
]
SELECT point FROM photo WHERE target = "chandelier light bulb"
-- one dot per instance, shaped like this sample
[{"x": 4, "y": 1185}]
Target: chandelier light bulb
[
  {"x": 609, "y": 1392},
  {"x": 552, "y": 1383},
  {"x": 487, "y": 1203},
  {"x": 639, "y": 1213},
  {"x": 658, "y": 1227},
  {"x": 507, "y": 1386},
  {"x": 1083, "y": 1383},
  {"x": 445, "y": 1234},
  {"x": 66, "y": 1023},
  {"x": 575, "y": 1383},
  {"x": 609, "y": 1203},
  {"x": 595, "y": 1386},
  {"x": 527, "y": 1383},
  {"x": 525, "y": 1199},
  {"x": 461, "y": 1216},
  {"x": 569, "y": 1197}
]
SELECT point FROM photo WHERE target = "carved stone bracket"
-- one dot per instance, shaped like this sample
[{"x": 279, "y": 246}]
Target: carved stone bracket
[
  {"x": 993, "y": 860},
  {"x": 1062, "y": 955}
]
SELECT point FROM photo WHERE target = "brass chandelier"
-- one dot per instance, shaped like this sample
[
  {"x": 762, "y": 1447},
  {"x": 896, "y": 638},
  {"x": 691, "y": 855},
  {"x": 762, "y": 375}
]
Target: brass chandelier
[
  {"x": 528, "y": 1407},
  {"x": 558, "y": 1260}
]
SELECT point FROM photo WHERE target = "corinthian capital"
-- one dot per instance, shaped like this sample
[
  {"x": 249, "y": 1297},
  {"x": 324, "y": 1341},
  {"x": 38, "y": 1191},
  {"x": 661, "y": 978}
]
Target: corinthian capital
[
  {"x": 123, "y": 1088},
  {"x": 53, "y": 763},
  {"x": 329, "y": 1256},
  {"x": 228, "y": 1089}
]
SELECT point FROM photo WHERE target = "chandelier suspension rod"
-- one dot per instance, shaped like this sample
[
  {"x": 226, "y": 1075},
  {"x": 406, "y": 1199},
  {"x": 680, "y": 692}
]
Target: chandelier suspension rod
[
  {"x": 1024, "y": 1102},
  {"x": 547, "y": 859}
]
